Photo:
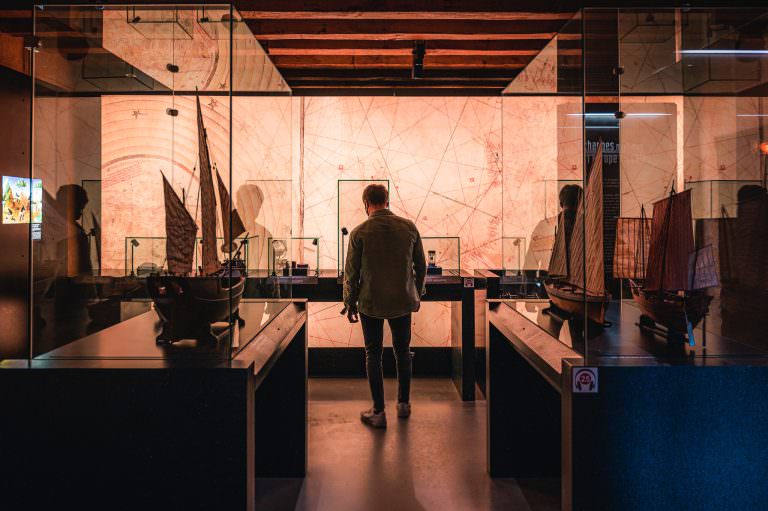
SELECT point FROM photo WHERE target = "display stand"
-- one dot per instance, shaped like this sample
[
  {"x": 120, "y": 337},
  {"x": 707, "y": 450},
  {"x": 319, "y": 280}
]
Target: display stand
[
  {"x": 650, "y": 427},
  {"x": 168, "y": 426}
]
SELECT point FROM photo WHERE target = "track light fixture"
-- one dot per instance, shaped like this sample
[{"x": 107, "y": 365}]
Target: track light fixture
[{"x": 419, "y": 49}]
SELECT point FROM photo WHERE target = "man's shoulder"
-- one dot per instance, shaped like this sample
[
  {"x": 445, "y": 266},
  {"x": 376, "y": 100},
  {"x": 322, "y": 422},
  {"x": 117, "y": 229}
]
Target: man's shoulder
[
  {"x": 390, "y": 219},
  {"x": 406, "y": 222}
]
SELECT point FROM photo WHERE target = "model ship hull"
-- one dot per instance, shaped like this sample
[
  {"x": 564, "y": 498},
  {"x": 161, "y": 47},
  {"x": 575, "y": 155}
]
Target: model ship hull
[
  {"x": 572, "y": 300},
  {"x": 671, "y": 309},
  {"x": 188, "y": 306}
]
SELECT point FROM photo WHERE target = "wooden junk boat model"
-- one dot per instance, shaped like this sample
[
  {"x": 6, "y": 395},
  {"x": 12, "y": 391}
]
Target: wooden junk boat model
[
  {"x": 189, "y": 303},
  {"x": 576, "y": 285},
  {"x": 667, "y": 275}
]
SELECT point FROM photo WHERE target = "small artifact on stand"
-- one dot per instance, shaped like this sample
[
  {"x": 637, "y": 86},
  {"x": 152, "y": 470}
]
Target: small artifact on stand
[
  {"x": 189, "y": 305},
  {"x": 670, "y": 284},
  {"x": 279, "y": 251},
  {"x": 297, "y": 269},
  {"x": 571, "y": 291},
  {"x": 432, "y": 267}
]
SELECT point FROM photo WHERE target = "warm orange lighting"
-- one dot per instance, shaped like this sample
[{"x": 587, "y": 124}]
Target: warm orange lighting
[{"x": 764, "y": 148}]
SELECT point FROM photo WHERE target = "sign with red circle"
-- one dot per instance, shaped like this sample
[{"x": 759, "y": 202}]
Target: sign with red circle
[{"x": 585, "y": 380}]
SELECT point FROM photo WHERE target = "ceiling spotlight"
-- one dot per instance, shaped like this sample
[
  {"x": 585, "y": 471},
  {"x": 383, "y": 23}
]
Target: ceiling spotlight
[{"x": 419, "y": 49}]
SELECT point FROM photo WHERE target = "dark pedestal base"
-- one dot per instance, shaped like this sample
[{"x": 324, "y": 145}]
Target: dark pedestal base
[
  {"x": 187, "y": 431},
  {"x": 523, "y": 415},
  {"x": 668, "y": 438},
  {"x": 126, "y": 439},
  {"x": 281, "y": 415}
]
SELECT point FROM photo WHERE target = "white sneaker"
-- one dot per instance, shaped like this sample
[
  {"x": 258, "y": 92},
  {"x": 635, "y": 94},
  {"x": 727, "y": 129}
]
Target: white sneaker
[
  {"x": 403, "y": 410},
  {"x": 373, "y": 419}
]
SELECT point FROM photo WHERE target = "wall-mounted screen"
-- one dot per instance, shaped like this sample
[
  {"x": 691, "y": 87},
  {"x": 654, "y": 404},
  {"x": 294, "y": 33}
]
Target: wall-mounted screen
[{"x": 22, "y": 200}]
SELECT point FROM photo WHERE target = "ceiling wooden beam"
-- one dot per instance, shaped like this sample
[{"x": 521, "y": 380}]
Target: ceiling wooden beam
[
  {"x": 358, "y": 52},
  {"x": 12, "y": 53},
  {"x": 331, "y": 47},
  {"x": 475, "y": 62},
  {"x": 369, "y": 30},
  {"x": 406, "y": 15},
  {"x": 542, "y": 36},
  {"x": 368, "y": 74},
  {"x": 341, "y": 61},
  {"x": 401, "y": 82},
  {"x": 378, "y": 61},
  {"x": 410, "y": 5},
  {"x": 353, "y": 47}
]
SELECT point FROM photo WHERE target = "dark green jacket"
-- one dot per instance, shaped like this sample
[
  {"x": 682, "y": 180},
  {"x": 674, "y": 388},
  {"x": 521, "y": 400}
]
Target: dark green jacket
[{"x": 385, "y": 268}]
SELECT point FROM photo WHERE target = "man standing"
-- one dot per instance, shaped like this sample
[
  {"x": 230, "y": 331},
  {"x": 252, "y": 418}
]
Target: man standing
[{"x": 384, "y": 278}]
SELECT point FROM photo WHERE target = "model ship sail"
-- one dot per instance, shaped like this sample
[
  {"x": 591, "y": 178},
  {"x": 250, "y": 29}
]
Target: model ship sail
[
  {"x": 180, "y": 232},
  {"x": 671, "y": 244},
  {"x": 702, "y": 269},
  {"x": 237, "y": 228},
  {"x": 207, "y": 199},
  {"x": 633, "y": 240},
  {"x": 579, "y": 245},
  {"x": 558, "y": 263},
  {"x": 587, "y": 235}
]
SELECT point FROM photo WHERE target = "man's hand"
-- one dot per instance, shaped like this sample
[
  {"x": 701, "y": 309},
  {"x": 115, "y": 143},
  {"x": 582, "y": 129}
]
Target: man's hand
[{"x": 351, "y": 313}]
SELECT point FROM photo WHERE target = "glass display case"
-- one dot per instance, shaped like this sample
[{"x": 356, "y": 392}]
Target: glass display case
[
  {"x": 350, "y": 210},
  {"x": 144, "y": 255},
  {"x": 513, "y": 253},
  {"x": 266, "y": 206},
  {"x": 297, "y": 257},
  {"x": 443, "y": 254},
  {"x": 145, "y": 198},
  {"x": 684, "y": 189},
  {"x": 717, "y": 198}
]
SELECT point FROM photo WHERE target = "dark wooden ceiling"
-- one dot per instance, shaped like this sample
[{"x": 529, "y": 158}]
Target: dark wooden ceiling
[{"x": 340, "y": 44}]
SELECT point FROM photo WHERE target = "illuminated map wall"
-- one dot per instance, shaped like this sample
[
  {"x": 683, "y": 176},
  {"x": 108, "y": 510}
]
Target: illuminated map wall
[{"x": 442, "y": 157}]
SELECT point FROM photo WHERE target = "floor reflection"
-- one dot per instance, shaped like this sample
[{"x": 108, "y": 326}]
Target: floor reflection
[{"x": 433, "y": 461}]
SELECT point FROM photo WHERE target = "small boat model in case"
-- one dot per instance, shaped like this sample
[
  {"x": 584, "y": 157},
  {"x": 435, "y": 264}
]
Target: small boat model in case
[
  {"x": 668, "y": 276},
  {"x": 576, "y": 281},
  {"x": 190, "y": 304}
]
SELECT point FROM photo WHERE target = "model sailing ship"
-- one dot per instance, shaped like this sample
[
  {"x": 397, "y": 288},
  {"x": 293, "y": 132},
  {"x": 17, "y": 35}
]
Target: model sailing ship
[
  {"x": 188, "y": 303},
  {"x": 576, "y": 282},
  {"x": 670, "y": 283}
]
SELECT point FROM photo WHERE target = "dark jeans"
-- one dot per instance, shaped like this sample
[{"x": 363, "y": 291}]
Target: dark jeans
[{"x": 373, "y": 332}]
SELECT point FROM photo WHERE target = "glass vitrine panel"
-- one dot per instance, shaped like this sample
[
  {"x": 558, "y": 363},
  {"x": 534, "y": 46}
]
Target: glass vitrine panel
[
  {"x": 139, "y": 219},
  {"x": 443, "y": 254},
  {"x": 298, "y": 257}
]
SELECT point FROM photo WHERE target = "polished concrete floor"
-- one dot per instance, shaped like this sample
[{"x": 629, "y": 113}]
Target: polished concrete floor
[{"x": 433, "y": 461}]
